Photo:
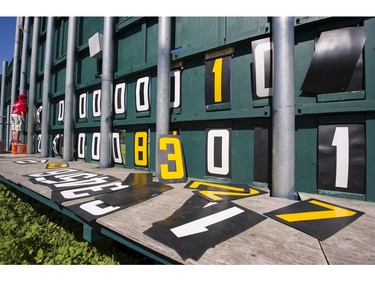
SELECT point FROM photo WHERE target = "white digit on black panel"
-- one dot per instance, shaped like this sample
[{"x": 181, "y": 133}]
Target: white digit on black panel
[
  {"x": 119, "y": 98},
  {"x": 95, "y": 147},
  {"x": 39, "y": 143},
  {"x": 60, "y": 116},
  {"x": 342, "y": 157},
  {"x": 39, "y": 115},
  {"x": 262, "y": 67},
  {"x": 116, "y": 148},
  {"x": 82, "y": 112},
  {"x": 176, "y": 90},
  {"x": 81, "y": 145},
  {"x": 96, "y": 100},
  {"x": 214, "y": 137},
  {"x": 341, "y": 142},
  {"x": 142, "y": 93},
  {"x": 57, "y": 144}
]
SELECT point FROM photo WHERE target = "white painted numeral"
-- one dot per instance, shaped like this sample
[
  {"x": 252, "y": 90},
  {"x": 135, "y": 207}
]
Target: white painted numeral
[
  {"x": 60, "y": 117},
  {"x": 175, "y": 102},
  {"x": 82, "y": 113},
  {"x": 39, "y": 143},
  {"x": 95, "y": 147},
  {"x": 116, "y": 149},
  {"x": 341, "y": 141},
  {"x": 94, "y": 209},
  {"x": 39, "y": 115},
  {"x": 141, "y": 94},
  {"x": 224, "y": 168},
  {"x": 200, "y": 225},
  {"x": 259, "y": 54},
  {"x": 81, "y": 145},
  {"x": 96, "y": 103},
  {"x": 119, "y": 98}
]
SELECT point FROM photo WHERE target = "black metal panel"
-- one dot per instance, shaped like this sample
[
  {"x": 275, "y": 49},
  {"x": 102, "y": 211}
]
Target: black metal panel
[{"x": 337, "y": 59}]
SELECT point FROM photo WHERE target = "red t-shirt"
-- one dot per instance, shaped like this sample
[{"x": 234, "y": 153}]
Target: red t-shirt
[{"x": 19, "y": 107}]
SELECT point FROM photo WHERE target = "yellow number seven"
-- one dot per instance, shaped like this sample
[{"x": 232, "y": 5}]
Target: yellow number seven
[
  {"x": 217, "y": 70},
  {"x": 176, "y": 156}
]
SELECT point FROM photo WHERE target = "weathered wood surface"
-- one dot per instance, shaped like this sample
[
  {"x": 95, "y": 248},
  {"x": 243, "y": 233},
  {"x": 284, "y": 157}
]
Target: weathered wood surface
[{"x": 268, "y": 242}]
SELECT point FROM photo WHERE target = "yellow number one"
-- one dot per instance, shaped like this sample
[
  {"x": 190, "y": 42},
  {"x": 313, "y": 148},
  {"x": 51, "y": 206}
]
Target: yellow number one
[{"x": 217, "y": 70}]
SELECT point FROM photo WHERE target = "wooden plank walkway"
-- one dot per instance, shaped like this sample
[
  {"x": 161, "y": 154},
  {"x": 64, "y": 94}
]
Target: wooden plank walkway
[{"x": 266, "y": 243}]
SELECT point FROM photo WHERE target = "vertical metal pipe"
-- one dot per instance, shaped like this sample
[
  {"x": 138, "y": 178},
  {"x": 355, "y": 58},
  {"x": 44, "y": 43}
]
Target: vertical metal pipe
[
  {"x": 163, "y": 81},
  {"x": 32, "y": 88},
  {"x": 46, "y": 86},
  {"x": 25, "y": 45},
  {"x": 2, "y": 100},
  {"x": 107, "y": 90},
  {"x": 16, "y": 52},
  {"x": 69, "y": 90},
  {"x": 15, "y": 62},
  {"x": 283, "y": 117}
]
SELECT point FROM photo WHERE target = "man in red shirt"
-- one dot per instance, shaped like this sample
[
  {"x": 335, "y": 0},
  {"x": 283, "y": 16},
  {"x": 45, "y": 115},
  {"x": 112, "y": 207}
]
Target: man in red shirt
[{"x": 17, "y": 116}]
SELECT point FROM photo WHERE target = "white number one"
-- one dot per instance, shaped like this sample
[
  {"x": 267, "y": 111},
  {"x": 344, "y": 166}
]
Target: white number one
[
  {"x": 200, "y": 225},
  {"x": 341, "y": 141}
]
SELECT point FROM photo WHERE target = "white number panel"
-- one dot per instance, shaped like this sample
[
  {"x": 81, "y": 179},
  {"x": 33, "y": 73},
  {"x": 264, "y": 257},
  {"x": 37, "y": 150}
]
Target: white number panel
[
  {"x": 82, "y": 106},
  {"x": 262, "y": 67},
  {"x": 116, "y": 148},
  {"x": 39, "y": 115},
  {"x": 120, "y": 98},
  {"x": 96, "y": 103},
  {"x": 142, "y": 102},
  {"x": 218, "y": 153},
  {"x": 60, "y": 116},
  {"x": 175, "y": 99},
  {"x": 95, "y": 146},
  {"x": 39, "y": 146},
  {"x": 57, "y": 144},
  {"x": 81, "y": 146},
  {"x": 342, "y": 157}
]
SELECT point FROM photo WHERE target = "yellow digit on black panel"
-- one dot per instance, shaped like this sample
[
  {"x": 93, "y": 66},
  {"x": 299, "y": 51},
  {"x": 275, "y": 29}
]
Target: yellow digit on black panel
[
  {"x": 217, "y": 81},
  {"x": 170, "y": 155},
  {"x": 141, "y": 149}
]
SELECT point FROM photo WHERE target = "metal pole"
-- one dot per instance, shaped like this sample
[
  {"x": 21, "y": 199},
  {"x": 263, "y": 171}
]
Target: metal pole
[
  {"x": 107, "y": 90},
  {"x": 69, "y": 90},
  {"x": 283, "y": 131},
  {"x": 15, "y": 62},
  {"x": 163, "y": 81},
  {"x": 2, "y": 100},
  {"x": 32, "y": 88},
  {"x": 16, "y": 52},
  {"x": 25, "y": 44},
  {"x": 46, "y": 86}
]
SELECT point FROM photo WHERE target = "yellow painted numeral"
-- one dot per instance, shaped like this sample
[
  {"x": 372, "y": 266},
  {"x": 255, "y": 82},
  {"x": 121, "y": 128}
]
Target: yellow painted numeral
[
  {"x": 140, "y": 149},
  {"x": 217, "y": 70},
  {"x": 214, "y": 194},
  {"x": 176, "y": 156},
  {"x": 332, "y": 212}
]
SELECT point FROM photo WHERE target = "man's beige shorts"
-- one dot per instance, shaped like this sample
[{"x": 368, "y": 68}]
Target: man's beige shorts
[{"x": 16, "y": 122}]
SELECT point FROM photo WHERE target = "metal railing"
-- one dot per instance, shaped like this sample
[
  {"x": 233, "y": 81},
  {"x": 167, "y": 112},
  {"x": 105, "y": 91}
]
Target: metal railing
[{"x": 4, "y": 134}]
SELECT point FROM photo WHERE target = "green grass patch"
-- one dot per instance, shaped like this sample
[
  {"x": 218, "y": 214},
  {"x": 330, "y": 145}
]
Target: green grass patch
[{"x": 32, "y": 233}]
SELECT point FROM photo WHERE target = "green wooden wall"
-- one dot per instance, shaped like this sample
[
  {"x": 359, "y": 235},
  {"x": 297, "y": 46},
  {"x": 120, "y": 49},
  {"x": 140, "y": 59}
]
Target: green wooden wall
[{"x": 197, "y": 43}]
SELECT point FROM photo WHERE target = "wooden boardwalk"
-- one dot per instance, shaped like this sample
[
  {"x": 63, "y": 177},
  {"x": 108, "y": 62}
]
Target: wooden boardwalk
[{"x": 268, "y": 242}]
